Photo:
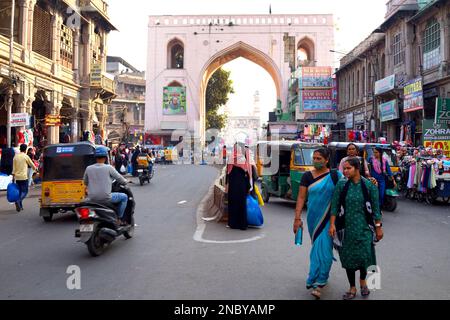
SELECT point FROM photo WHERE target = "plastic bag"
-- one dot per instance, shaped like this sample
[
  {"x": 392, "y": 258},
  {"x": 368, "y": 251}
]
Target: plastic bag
[
  {"x": 13, "y": 193},
  {"x": 254, "y": 213},
  {"x": 123, "y": 169}
]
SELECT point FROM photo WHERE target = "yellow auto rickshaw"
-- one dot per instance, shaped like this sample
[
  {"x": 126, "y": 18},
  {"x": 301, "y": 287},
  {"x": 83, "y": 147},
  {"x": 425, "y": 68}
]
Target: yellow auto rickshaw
[
  {"x": 281, "y": 165},
  {"x": 62, "y": 177}
]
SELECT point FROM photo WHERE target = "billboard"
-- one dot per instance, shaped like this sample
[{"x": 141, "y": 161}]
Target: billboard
[
  {"x": 317, "y": 100},
  {"x": 413, "y": 93},
  {"x": 437, "y": 136},
  {"x": 385, "y": 85},
  {"x": 174, "y": 101},
  {"x": 316, "y": 77},
  {"x": 442, "y": 111}
]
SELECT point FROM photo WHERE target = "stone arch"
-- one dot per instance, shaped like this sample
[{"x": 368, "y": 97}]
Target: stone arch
[
  {"x": 175, "y": 54},
  {"x": 307, "y": 47},
  {"x": 239, "y": 49}
]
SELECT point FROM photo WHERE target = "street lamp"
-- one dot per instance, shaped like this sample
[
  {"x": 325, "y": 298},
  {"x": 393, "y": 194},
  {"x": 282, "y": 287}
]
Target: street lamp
[{"x": 365, "y": 82}]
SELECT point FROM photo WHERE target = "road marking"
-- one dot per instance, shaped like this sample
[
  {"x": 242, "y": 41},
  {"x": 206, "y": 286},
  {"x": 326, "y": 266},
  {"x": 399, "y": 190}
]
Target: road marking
[
  {"x": 182, "y": 202},
  {"x": 201, "y": 225}
]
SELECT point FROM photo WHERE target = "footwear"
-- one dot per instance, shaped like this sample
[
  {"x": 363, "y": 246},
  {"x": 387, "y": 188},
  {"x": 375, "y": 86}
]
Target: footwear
[
  {"x": 18, "y": 209},
  {"x": 365, "y": 291},
  {"x": 349, "y": 295},
  {"x": 316, "y": 293}
]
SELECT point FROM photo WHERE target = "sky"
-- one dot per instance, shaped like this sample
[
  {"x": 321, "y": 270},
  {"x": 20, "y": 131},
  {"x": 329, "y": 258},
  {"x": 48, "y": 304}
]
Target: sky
[{"x": 354, "y": 21}]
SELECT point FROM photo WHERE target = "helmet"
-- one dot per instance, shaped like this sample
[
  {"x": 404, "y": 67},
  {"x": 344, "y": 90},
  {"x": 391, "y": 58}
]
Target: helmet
[{"x": 101, "y": 152}]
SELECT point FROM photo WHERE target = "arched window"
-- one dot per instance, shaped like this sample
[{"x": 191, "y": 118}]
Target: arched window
[
  {"x": 174, "y": 84},
  {"x": 175, "y": 54},
  {"x": 305, "y": 52}
]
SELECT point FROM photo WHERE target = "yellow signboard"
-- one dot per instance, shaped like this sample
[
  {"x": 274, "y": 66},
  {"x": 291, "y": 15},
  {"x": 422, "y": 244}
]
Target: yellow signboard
[
  {"x": 444, "y": 145},
  {"x": 96, "y": 75}
]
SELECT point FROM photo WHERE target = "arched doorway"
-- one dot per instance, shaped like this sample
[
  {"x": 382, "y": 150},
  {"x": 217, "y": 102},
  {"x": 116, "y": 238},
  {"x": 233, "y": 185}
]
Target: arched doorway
[
  {"x": 175, "y": 54},
  {"x": 233, "y": 52},
  {"x": 306, "y": 52}
]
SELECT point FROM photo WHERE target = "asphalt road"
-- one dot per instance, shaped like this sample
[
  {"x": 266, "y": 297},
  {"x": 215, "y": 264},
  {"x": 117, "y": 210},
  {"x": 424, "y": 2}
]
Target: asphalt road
[{"x": 172, "y": 257}]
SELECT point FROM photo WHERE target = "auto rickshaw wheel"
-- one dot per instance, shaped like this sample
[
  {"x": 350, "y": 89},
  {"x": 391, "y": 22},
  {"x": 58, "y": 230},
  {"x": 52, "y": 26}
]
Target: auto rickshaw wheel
[
  {"x": 141, "y": 181},
  {"x": 390, "y": 204},
  {"x": 47, "y": 215}
]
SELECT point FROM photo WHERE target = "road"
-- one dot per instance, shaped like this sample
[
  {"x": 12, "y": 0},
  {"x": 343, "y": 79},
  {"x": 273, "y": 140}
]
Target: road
[{"x": 164, "y": 261}]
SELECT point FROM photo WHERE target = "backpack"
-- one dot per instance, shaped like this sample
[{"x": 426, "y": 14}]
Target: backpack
[{"x": 340, "y": 218}]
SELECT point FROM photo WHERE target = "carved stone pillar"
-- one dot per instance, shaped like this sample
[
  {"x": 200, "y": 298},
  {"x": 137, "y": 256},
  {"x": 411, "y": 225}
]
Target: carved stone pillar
[
  {"x": 76, "y": 54},
  {"x": 29, "y": 23},
  {"x": 56, "y": 43}
]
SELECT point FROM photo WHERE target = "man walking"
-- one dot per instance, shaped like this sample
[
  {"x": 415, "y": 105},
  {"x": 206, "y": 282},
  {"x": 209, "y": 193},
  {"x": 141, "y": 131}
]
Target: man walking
[{"x": 20, "y": 174}]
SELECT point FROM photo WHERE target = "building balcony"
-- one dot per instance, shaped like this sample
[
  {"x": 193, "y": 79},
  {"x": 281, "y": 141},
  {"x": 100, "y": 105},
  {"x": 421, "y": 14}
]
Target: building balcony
[{"x": 104, "y": 83}]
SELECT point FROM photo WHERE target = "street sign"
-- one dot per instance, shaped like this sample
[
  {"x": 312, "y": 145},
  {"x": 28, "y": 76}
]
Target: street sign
[
  {"x": 442, "y": 111},
  {"x": 96, "y": 75},
  {"x": 20, "y": 119}
]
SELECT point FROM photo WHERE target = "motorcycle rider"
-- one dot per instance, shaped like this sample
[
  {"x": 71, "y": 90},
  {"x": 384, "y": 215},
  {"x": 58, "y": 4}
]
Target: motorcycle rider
[{"x": 98, "y": 179}]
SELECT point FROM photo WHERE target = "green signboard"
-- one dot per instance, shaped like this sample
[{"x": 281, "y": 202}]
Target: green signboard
[{"x": 442, "y": 111}]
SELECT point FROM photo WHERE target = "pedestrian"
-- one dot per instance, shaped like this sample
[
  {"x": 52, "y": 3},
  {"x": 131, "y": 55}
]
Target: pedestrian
[
  {"x": 224, "y": 155},
  {"x": 238, "y": 185},
  {"x": 118, "y": 160},
  {"x": 134, "y": 163},
  {"x": 317, "y": 187},
  {"x": 20, "y": 174},
  {"x": 353, "y": 152},
  {"x": 361, "y": 217},
  {"x": 6, "y": 164},
  {"x": 381, "y": 171},
  {"x": 31, "y": 154}
]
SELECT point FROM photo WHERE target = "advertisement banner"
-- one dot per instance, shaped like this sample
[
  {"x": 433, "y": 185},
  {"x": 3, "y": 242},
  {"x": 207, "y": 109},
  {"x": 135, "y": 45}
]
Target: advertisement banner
[
  {"x": 174, "y": 101},
  {"x": 442, "y": 111},
  {"x": 385, "y": 85},
  {"x": 20, "y": 119},
  {"x": 436, "y": 136},
  {"x": 413, "y": 92},
  {"x": 316, "y": 77},
  {"x": 317, "y": 100},
  {"x": 388, "y": 111}
]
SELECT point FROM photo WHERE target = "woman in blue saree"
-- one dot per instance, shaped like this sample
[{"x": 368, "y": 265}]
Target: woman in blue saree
[{"x": 317, "y": 188}]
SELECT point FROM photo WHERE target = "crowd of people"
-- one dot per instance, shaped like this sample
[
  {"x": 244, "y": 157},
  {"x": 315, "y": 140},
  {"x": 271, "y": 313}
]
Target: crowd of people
[{"x": 125, "y": 159}]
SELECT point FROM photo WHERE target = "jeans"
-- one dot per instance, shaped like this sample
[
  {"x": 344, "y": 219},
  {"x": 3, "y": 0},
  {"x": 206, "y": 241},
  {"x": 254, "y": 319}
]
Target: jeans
[
  {"x": 30, "y": 176},
  {"x": 122, "y": 200},
  {"x": 23, "y": 189}
]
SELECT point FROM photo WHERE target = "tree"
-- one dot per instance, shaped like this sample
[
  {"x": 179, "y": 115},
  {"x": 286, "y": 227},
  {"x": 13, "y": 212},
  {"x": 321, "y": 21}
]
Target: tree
[{"x": 217, "y": 94}]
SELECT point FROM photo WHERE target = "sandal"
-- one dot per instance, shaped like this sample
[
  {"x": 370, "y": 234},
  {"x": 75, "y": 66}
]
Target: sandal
[
  {"x": 349, "y": 295},
  {"x": 316, "y": 293},
  {"x": 365, "y": 291}
]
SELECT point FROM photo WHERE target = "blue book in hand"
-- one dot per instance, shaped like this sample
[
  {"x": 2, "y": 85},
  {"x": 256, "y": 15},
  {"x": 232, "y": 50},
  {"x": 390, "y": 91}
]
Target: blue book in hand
[{"x": 299, "y": 237}]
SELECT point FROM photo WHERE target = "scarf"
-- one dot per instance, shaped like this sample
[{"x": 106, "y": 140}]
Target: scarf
[{"x": 377, "y": 166}]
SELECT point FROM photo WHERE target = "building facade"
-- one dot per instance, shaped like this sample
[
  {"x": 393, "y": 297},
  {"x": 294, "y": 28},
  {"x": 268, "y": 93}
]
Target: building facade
[
  {"x": 184, "y": 52},
  {"x": 412, "y": 57},
  {"x": 126, "y": 114},
  {"x": 58, "y": 73}
]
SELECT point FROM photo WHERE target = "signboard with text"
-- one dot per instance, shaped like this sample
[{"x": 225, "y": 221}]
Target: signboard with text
[
  {"x": 349, "y": 121},
  {"x": 413, "y": 92},
  {"x": 52, "y": 120},
  {"x": 385, "y": 85},
  {"x": 96, "y": 75},
  {"x": 442, "y": 111},
  {"x": 436, "y": 136},
  {"x": 316, "y": 77},
  {"x": 20, "y": 120},
  {"x": 317, "y": 100},
  {"x": 388, "y": 111}
]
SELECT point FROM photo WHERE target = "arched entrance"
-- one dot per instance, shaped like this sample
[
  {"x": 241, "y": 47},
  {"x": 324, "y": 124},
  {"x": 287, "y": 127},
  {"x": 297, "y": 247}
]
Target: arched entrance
[{"x": 233, "y": 52}]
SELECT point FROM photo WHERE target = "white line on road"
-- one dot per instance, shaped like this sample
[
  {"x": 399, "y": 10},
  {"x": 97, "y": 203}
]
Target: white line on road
[
  {"x": 182, "y": 202},
  {"x": 201, "y": 224}
]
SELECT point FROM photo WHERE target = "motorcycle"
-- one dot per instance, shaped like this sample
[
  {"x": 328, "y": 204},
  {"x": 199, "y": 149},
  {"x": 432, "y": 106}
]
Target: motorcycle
[
  {"x": 146, "y": 174},
  {"x": 98, "y": 222}
]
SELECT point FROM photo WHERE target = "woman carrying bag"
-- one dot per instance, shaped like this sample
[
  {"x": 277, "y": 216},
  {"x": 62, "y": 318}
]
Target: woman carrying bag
[{"x": 355, "y": 225}]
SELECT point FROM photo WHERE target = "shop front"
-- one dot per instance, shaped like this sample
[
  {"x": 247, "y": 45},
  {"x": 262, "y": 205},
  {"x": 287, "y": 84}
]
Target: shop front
[
  {"x": 413, "y": 109},
  {"x": 389, "y": 118}
]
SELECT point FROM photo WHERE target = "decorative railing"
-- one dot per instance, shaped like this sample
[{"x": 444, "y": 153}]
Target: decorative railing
[{"x": 230, "y": 20}]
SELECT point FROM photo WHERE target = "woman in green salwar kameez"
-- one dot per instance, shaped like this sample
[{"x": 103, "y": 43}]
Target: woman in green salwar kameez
[{"x": 357, "y": 251}]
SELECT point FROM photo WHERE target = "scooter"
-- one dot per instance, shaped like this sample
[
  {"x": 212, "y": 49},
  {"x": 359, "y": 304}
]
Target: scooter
[
  {"x": 390, "y": 198},
  {"x": 146, "y": 174},
  {"x": 98, "y": 222}
]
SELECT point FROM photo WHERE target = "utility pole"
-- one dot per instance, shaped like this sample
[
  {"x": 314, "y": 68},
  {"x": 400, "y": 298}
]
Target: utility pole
[{"x": 11, "y": 90}]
